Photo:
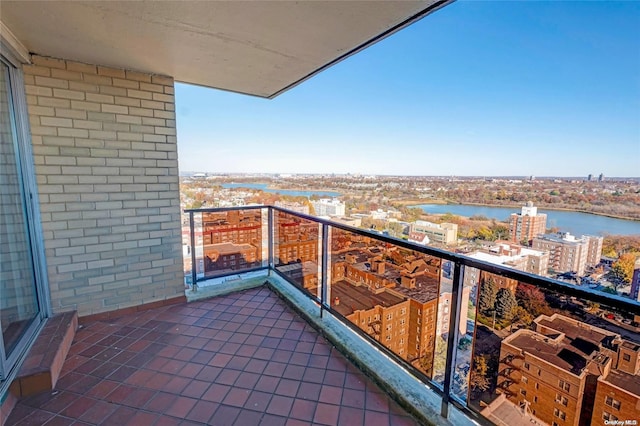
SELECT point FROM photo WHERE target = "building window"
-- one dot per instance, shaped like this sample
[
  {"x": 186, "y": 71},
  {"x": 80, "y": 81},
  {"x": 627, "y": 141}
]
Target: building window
[
  {"x": 564, "y": 385},
  {"x": 526, "y": 365},
  {"x": 626, "y": 357},
  {"x": 562, "y": 399},
  {"x": 535, "y": 399},
  {"x": 612, "y": 402},
  {"x": 389, "y": 316},
  {"x": 608, "y": 416},
  {"x": 523, "y": 392},
  {"x": 537, "y": 385},
  {"x": 525, "y": 379},
  {"x": 560, "y": 414}
]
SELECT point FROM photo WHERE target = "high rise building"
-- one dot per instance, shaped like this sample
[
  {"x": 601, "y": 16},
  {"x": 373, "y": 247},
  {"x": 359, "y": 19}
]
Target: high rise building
[
  {"x": 527, "y": 224},
  {"x": 568, "y": 253}
]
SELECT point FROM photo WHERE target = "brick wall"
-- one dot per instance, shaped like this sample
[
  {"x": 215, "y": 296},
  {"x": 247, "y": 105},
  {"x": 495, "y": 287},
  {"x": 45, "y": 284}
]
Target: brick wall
[{"x": 104, "y": 144}]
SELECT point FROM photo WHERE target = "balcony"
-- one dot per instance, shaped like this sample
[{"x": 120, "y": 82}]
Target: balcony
[
  {"x": 245, "y": 358},
  {"x": 285, "y": 306},
  {"x": 416, "y": 314}
]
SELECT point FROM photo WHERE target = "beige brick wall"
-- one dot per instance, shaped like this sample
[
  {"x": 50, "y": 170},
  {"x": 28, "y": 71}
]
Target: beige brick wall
[{"x": 104, "y": 144}]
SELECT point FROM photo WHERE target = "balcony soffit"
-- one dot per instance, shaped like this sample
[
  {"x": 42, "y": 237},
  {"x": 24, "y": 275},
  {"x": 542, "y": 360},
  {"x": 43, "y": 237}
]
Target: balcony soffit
[{"x": 260, "y": 48}]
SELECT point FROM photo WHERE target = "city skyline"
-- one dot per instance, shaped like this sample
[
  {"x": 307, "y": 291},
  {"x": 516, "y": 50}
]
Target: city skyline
[{"x": 478, "y": 88}]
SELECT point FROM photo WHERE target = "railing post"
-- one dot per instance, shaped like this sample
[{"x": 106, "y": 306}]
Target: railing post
[
  {"x": 325, "y": 266},
  {"x": 194, "y": 275},
  {"x": 270, "y": 237},
  {"x": 452, "y": 337}
]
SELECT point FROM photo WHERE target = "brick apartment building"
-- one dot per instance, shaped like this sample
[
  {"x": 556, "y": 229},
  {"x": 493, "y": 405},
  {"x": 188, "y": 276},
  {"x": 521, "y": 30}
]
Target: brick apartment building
[
  {"x": 570, "y": 373},
  {"x": 527, "y": 224},
  {"x": 395, "y": 304}
]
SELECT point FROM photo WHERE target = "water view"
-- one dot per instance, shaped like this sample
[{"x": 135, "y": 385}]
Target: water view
[
  {"x": 574, "y": 222},
  {"x": 264, "y": 187}
]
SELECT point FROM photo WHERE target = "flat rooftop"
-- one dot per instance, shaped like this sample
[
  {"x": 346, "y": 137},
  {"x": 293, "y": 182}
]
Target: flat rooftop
[
  {"x": 589, "y": 333},
  {"x": 571, "y": 356},
  {"x": 626, "y": 381},
  {"x": 359, "y": 298},
  {"x": 426, "y": 289}
]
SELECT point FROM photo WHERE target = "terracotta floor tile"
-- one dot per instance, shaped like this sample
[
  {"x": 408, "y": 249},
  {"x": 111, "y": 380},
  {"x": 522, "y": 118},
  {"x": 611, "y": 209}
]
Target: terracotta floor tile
[
  {"x": 202, "y": 411},
  {"x": 303, "y": 410},
  {"x": 225, "y": 416},
  {"x": 280, "y": 405},
  {"x": 376, "y": 418},
  {"x": 181, "y": 406},
  {"x": 241, "y": 359},
  {"x": 236, "y": 397},
  {"x": 327, "y": 414}
]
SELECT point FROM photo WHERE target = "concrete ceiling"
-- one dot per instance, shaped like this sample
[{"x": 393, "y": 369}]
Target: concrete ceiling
[{"x": 256, "y": 47}]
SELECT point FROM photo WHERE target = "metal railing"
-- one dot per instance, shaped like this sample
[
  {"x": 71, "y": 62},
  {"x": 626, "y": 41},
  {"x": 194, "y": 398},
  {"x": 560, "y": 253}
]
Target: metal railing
[{"x": 323, "y": 258}]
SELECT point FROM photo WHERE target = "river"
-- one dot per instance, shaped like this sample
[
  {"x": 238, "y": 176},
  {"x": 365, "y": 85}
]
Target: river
[
  {"x": 264, "y": 187},
  {"x": 576, "y": 223}
]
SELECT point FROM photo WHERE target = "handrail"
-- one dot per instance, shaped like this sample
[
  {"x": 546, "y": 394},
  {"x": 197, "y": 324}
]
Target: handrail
[{"x": 546, "y": 283}]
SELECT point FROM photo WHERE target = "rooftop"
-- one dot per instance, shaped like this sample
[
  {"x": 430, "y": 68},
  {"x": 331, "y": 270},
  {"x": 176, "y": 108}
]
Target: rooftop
[
  {"x": 244, "y": 359},
  {"x": 358, "y": 298},
  {"x": 560, "y": 353},
  {"x": 626, "y": 381}
]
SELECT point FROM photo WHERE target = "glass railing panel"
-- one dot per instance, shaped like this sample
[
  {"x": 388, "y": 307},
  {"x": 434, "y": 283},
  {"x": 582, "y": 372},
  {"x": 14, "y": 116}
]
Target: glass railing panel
[
  {"x": 541, "y": 357},
  {"x": 230, "y": 241},
  {"x": 297, "y": 251},
  {"x": 390, "y": 293}
]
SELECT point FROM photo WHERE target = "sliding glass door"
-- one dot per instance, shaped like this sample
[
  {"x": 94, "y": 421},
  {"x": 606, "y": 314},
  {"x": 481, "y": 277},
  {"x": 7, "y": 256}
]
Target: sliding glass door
[{"x": 19, "y": 306}]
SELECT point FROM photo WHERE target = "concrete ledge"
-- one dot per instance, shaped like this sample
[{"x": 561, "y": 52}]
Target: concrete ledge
[
  {"x": 42, "y": 366},
  {"x": 221, "y": 286},
  {"x": 413, "y": 395}
]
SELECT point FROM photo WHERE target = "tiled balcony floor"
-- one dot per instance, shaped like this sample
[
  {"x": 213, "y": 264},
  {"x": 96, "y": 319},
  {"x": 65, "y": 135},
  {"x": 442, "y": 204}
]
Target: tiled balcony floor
[{"x": 242, "y": 359}]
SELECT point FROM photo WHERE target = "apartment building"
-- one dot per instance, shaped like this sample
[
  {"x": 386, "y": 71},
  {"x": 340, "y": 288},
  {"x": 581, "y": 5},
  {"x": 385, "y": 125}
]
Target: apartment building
[
  {"x": 568, "y": 253},
  {"x": 527, "y": 224},
  {"x": 514, "y": 256},
  {"x": 293, "y": 206},
  {"x": 395, "y": 300},
  {"x": 441, "y": 233},
  {"x": 329, "y": 207},
  {"x": 570, "y": 373}
]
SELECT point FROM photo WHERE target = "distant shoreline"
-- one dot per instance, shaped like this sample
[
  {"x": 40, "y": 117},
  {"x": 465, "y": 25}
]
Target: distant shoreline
[{"x": 613, "y": 216}]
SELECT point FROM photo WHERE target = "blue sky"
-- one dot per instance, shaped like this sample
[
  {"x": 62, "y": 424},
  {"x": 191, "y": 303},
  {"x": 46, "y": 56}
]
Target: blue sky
[{"x": 477, "y": 88}]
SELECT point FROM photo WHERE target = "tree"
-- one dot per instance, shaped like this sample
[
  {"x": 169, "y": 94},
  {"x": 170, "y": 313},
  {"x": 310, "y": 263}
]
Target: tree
[
  {"x": 479, "y": 372},
  {"x": 532, "y": 299},
  {"x": 439, "y": 357},
  {"x": 521, "y": 315},
  {"x": 622, "y": 268},
  {"x": 505, "y": 303},
  {"x": 487, "y": 297}
]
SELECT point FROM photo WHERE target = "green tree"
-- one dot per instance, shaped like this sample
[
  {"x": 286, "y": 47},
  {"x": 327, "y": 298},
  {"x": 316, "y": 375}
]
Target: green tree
[
  {"x": 505, "y": 303},
  {"x": 479, "y": 372},
  {"x": 487, "y": 297}
]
